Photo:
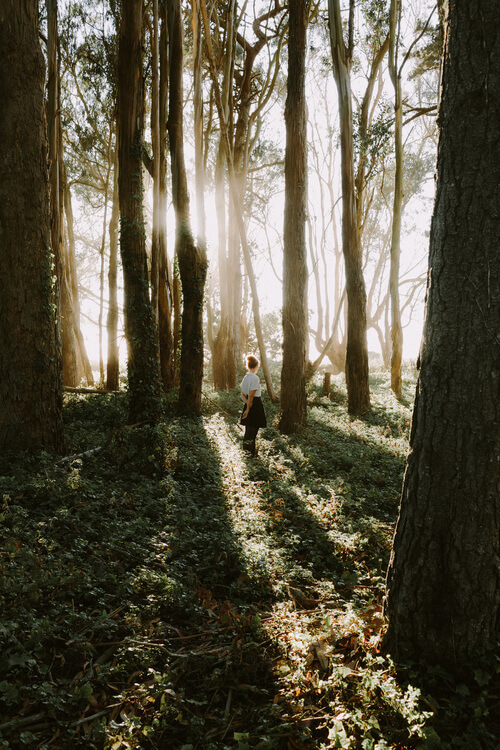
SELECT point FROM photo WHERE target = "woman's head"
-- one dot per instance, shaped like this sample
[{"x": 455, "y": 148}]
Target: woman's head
[{"x": 252, "y": 362}]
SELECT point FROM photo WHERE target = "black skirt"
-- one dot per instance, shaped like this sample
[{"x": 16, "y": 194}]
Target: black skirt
[{"x": 256, "y": 416}]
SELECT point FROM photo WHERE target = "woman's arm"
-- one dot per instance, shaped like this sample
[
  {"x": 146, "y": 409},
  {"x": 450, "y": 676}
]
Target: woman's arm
[{"x": 251, "y": 395}]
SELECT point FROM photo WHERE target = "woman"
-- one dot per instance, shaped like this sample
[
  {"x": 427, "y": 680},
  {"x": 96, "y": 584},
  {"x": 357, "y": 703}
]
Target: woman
[{"x": 253, "y": 415}]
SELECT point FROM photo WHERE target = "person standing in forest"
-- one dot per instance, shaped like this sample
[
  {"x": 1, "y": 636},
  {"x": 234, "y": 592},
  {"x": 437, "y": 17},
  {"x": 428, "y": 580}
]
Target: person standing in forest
[{"x": 253, "y": 415}]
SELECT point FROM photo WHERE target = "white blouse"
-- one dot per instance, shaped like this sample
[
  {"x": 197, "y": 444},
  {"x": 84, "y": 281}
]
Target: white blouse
[{"x": 249, "y": 383}]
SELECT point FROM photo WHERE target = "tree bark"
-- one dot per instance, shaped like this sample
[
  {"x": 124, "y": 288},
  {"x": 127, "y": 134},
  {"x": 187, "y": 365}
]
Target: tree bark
[
  {"x": 396, "y": 327},
  {"x": 30, "y": 364},
  {"x": 295, "y": 330},
  {"x": 109, "y": 167},
  {"x": 358, "y": 390},
  {"x": 143, "y": 368},
  {"x": 191, "y": 259},
  {"x": 224, "y": 362},
  {"x": 113, "y": 361},
  {"x": 70, "y": 265},
  {"x": 155, "y": 141},
  {"x": 165, "y": 291},
  {"x": 443, "y": 587}
]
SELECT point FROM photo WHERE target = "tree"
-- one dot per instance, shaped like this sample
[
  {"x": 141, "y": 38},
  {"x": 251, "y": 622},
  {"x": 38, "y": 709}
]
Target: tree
[
  {"x": 295, "y": 329},
  {"x": 30, "y": 375},
  {"x": 237, "y": 207},
  {"x": 246, "y": 89},
  {"x": 443, "y": 589},
  {"x": 113, "y": 361},
  {"x": 192, "y": 259},
  {"x": 358, "y": 391},
  {"x": 142, "y": 365},
  {"x": 165, "y": 286}
]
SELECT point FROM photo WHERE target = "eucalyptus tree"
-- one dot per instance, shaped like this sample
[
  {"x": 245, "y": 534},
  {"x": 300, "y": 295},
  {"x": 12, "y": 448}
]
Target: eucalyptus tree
[
  {"x": 30, "y": 360},
  {"x": 358, "y": 390},
  {"x": 142, "y": 365},
  {"x": 443, "y": 588},
  {"x": 75, "y": 361},
  {"x": 161, "y": 275},
  {"x": 245, "y": 90},
  {"x": 295, "y": 329},
  {"x": 397, "y": 62},
  {"x": 325, "y": 252},
  {"x": 113, "y": 361},
  {"x": 254, "y": 85},
  {"x": 88, "y": 107},
  {"x": 166, "y": 280},
  {"x": 236, "y": 202},
  {"x": 191, "y": 258}
]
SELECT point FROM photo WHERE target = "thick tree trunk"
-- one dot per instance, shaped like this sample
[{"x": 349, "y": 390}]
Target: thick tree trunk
[
  {"x": 191, "y": 259},
  {"x": 143, "y": 368},
  {"x": 113, "y": 361},
  {"x": 443, "y": 587},
  {"x": 30, "y": 375},
  {"x": 358, "y": 391},
  {"x": 295, "y": 330}
]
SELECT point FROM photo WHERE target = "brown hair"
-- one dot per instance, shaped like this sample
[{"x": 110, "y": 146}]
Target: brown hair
[{"x": 252, "y": 361}]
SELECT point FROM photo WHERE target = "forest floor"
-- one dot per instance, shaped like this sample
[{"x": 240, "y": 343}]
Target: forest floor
[{"x": 169, "y": 592}]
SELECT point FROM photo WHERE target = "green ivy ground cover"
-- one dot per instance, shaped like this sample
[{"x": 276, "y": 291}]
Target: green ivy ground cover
[{"x": 168, "y": 592}]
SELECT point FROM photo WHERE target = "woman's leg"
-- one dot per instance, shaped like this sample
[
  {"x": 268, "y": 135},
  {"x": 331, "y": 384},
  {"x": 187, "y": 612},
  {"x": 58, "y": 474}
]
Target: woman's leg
[{"x": 249, "y": 438}]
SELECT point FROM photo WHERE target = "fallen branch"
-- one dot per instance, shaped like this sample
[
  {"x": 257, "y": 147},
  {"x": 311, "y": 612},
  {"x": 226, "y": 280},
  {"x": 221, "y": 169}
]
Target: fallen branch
[
  {"x": 85, "y": 454},
  {"x": 25, "y": 721}
]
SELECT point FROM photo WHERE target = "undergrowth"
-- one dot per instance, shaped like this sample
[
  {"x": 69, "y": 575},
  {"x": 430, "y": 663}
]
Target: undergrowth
[{"x": 167, "y": 592}]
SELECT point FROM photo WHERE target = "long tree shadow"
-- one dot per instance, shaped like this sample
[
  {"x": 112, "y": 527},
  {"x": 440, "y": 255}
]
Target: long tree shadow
[
  {"x": 331, "y": 498},
  {"x": 128, "y": 591},
  {"x": 226, "y": 679}
]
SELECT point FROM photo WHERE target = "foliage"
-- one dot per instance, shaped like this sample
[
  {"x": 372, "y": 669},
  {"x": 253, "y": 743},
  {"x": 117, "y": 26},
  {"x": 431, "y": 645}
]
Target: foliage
[{"x": 165, "y": 591}]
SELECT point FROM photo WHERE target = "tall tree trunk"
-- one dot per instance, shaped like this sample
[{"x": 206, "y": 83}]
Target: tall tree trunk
[
  {"x": 67, "y": 350},
  {"x": 30, "y": 375},
  {"x": 358, "y": 390},
  {"x": 70, "y": 265},
  {"x": 143, "y": 367},
  {"x": 224, "y": 363},
  {"x": 443, "y": 587},
  {"x": 192, "y": 260},
  {"x": 176, "y": 322},
  {"x": 396, "y": 327},
  {"x": 295, "y": 330},
  {"x": 103, "y": 257},
  {"x": 155, "y": 140},
  {"x": 165, "y": 289},
  {"x": 113, "y": 360}
]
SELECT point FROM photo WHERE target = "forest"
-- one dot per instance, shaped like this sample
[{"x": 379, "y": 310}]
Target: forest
[{"x": 249, "y": 374}]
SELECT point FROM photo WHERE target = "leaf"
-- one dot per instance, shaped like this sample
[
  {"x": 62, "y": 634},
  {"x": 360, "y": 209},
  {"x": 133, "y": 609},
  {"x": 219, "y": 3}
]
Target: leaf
[
  {"x": 8, "y": 692},
  {"x": 481, "y": 677}
]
